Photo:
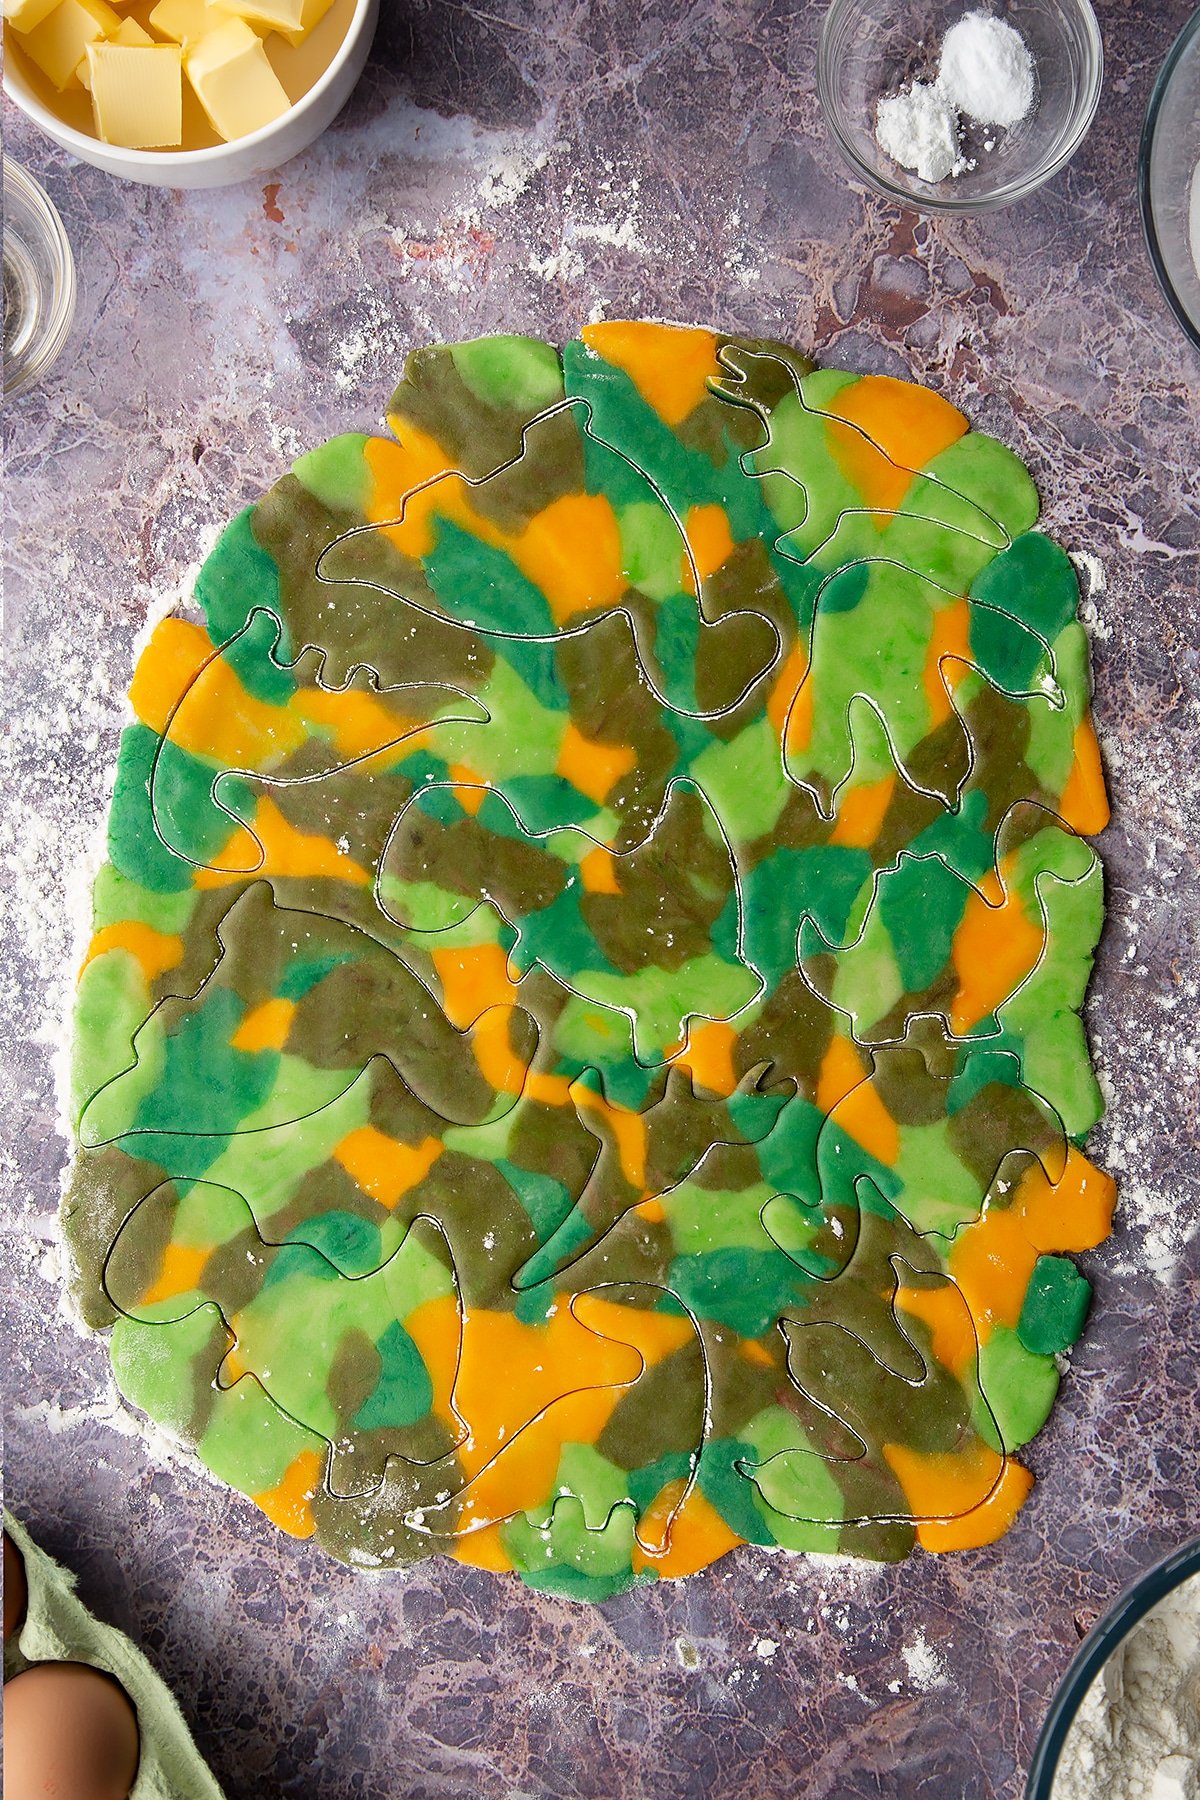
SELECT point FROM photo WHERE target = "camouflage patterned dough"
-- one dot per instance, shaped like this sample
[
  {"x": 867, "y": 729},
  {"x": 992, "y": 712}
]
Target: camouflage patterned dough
[{"x": 579, "y": 1061}]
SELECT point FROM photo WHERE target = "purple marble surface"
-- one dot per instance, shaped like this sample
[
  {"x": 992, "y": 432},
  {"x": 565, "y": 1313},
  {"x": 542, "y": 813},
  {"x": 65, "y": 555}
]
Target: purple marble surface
[{"x": 510, "y": 166}]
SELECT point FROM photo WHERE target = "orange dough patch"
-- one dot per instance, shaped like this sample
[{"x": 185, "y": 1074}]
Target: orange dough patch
[
  {"x": 593, "y": 767},
  {"x": 944, "y": 1310},
  {"x": 289, "y": 1503},
  {"x": 841, "y": 1069},
  {"x": 670, "y": 365},
  {"x": 900, "y": 428},
  {"x": 156, "y": 951},
  {"x": 709, "y": 540},
  {"x": 691, "y": 1537},
  {"x": 384, "y": 1168},
  {"x": 861, "y": 813},
  {"x": 473, "y": 980},
  {"x": 996, "y": 946},
  {"x": 599, "y": 871},
  {"x": 359, "y": 723},
  {"x": 960, "y": 1502},
  {"x": 1084, "y": 800},
  {"x": 265, "y": 1027},
  {"x": 563, "y": 1379},
  {"x": 786, "y": 688},
  {"x": 285, "y": 851},
  {"x": 708, "y": 1055},
  {"x": 166, "y": 669},
  {"x": 571, "y": 550},
  {"x": 951, "y": 639},
  {"x": 179, "y": 1273}
]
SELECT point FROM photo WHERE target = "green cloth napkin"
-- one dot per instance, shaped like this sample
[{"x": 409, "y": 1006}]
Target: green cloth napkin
[{"x": 59, "y": 1628}]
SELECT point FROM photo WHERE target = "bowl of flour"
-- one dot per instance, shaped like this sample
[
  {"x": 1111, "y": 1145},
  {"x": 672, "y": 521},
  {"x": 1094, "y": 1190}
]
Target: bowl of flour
[
  {"x": 959, "y": 105},
  {"x": 1125, "y": 1723}
]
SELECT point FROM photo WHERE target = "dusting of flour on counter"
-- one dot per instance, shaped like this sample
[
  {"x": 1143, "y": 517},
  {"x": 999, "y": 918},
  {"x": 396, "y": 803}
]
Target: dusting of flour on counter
[
  {"x": 1137, "y": 1734},
  {"x": 924, "y": 1665}
]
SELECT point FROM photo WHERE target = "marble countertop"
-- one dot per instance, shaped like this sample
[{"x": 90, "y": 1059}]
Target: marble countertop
[{"x": 528, "y": 165}]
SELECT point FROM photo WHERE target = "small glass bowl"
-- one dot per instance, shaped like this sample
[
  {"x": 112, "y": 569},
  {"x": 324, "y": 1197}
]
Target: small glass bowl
[
  {"x": 870, "y": 48},
  {"x": 1167, "y": 179},
  {"x": 39, "y": 281},
  {"x": 1099, "y": 1644}
]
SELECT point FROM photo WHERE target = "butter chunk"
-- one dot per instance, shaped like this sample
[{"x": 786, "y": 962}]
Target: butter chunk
[
  {"x": 137, "y": 94},
  {"x": 59, "y": 44},
  {"x": 311, "y": 14},
  {"x": 234, "y": 80},
  {"x": 129, "y": 33},
  {"x": 23, "y": 15},
  {"x": 276, "y": 15},
  {"x": 187, "y": 21}
]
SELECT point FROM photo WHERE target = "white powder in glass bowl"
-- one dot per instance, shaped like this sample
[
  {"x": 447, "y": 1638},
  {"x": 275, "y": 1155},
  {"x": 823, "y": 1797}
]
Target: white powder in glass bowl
[
  {"x": 1137, "y": 1734},
  {"x": 919, "y": 129},
  {"x": 986, "y": 70},
  {"x": 985, "y": 73}
]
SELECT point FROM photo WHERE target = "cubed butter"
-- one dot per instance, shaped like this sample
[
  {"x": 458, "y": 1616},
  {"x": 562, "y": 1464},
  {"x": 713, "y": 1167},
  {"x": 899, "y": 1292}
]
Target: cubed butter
[
  {"x": 129, "y": 33},
  {"x": 137, "y": 94},
  {"x": 276, "y": 15},
  {"x": 311, "y": 13},
  {"x": 187, "y": 21},
  {"x": 234, "y": 80},
  {"x": 59, "y": 44},
  {"x": 23, "y": 15}
]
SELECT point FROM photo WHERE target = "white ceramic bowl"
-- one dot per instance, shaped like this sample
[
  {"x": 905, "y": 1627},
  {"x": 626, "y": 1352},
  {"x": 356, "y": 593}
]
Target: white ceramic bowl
[{"x": 219, "y": 165}]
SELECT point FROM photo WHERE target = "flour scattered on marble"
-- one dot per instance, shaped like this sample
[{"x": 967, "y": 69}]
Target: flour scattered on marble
[
  {"x": 926, "y": 1671},
  {"x": 376, "y": 341},
  {"x": 1155, "y": 1223},
  {"x": 239, "y": 292},
  {"x": 740, "y": 264},
  {"x": 453, "y": 217},
  {"x": 108, "y": 1410},
  {"x": 464, "y": 178},
  {"x": 1093, "y": 581},
  {"x": 854, "y": 1576},
  {"x": 609, "y": 214}
]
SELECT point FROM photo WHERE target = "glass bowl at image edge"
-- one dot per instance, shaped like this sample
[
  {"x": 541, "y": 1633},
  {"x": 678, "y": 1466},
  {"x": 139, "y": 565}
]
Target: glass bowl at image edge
[
  {"x": 874, "y": 47},
  {"x": 39, "y": 282},
  {"x": 1101, "y": 1641},
  {"x": 1167, "y": 164}
]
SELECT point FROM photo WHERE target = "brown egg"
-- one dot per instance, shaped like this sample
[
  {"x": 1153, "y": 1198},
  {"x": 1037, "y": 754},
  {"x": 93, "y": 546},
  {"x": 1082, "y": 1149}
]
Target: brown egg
[
  {"x": 69, "y": 1731},
  {"x": 16, "y": 1593}
]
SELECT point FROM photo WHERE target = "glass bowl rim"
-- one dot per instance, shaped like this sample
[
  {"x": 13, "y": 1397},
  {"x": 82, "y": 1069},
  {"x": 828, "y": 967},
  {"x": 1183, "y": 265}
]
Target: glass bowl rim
[
  {"x": 1139, "y": 1598},
  {"x": 931, "y": 203},
  {"x": 57, "y": 326},
  {"x": 1145, "y": 151}
]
